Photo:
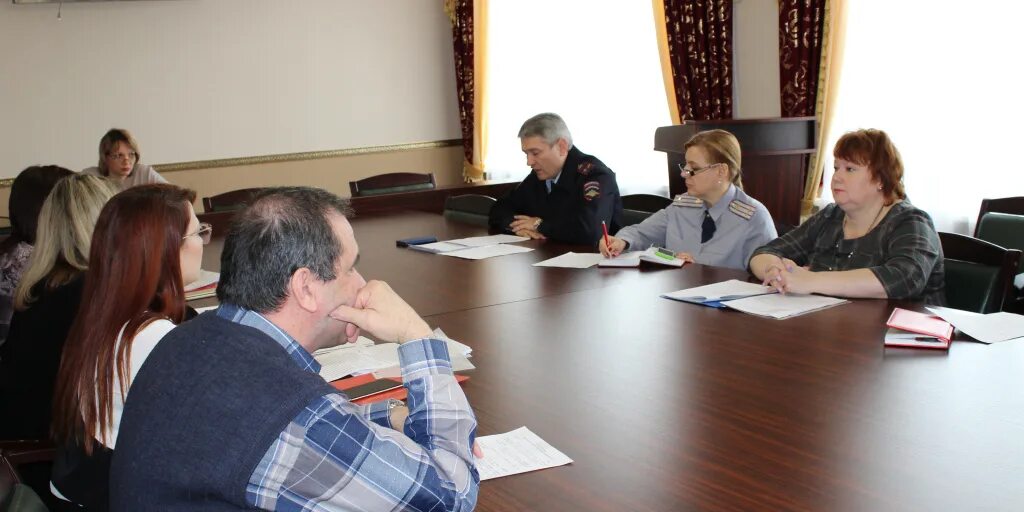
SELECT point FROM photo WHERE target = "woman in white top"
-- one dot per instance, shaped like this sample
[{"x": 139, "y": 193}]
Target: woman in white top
[
  {"x": 147, "y": 244},
  {"x": 120, "y": 161}
]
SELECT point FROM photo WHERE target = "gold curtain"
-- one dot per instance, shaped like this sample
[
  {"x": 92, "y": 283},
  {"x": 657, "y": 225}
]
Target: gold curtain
[
  {"x": 832, "y": 44},
  {"x": 666, "y": 62}
]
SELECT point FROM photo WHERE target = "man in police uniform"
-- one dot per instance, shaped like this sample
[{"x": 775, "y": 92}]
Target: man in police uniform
[{"x": 568, "y": 194}]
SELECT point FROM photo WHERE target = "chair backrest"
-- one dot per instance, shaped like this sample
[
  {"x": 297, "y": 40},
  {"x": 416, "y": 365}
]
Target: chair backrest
[
  {"x": 630, "y": 217},
  {"x": 15, "y": 496},
  {"x": 391, "y": 183},
  {"x": 230, "y": 201},
  {"x": 469, "y": 208},
  {"x": 649, "y": 203},
  {"x": 979, "y": 274},
  {"x": 1003, "y": 229},
  {"x": 1013, "y": 205}
]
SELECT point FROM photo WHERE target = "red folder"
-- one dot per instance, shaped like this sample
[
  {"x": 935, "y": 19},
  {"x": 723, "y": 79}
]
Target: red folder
[
  {"x": 399, "y": 393},
  {"x": 921, "y": 323}
]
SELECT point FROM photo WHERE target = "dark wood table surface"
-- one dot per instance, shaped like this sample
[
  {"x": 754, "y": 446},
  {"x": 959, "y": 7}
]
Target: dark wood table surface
[{"x": 671, "y": 406}]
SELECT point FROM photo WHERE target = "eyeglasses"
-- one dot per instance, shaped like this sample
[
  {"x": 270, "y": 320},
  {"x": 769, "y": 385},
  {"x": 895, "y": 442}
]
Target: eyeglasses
[
  {"x": 205, "y": 232},
  {"x": 122, "y": 156},
  {"x": 687, "y": 172}
]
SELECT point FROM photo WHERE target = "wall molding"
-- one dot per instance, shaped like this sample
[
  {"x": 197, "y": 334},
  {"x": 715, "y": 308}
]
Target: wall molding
[{"x": 290, "y": 157}]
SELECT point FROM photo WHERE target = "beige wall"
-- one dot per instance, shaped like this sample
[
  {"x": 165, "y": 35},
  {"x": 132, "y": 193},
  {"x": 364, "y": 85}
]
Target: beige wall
[{"x": 332, "y": 174}]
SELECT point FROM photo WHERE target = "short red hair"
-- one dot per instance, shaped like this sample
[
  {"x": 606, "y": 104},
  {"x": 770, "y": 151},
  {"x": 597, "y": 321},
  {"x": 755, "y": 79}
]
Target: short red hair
[{"x": 874, "y": 149}]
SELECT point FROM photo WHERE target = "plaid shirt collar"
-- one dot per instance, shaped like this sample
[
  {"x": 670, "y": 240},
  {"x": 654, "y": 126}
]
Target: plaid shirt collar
[{"x": 239, "y": 315}]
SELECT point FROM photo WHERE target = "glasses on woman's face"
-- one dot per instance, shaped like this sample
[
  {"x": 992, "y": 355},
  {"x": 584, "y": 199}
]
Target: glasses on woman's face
[
  {"x": 205, "y": 232},
  {"x": 122, "y": 156},
  {"x": 687, "y": 172}
]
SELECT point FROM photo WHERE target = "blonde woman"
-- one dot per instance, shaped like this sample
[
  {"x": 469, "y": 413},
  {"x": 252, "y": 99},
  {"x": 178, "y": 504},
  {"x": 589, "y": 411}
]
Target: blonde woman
[
  {"x": 120, "y": 161},
  {"x": 45, "y": 302},
  {"x": 714, "y": 222}
]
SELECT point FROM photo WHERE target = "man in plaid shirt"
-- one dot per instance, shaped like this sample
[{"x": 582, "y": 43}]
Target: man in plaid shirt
[{"x": 230, "y": 412}]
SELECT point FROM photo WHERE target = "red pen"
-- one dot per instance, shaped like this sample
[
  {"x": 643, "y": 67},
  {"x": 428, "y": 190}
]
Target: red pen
[{"x": 606, "y": 242}]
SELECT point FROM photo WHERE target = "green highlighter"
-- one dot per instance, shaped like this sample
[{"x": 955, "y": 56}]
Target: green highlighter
[{"x": 664, "y": 253}]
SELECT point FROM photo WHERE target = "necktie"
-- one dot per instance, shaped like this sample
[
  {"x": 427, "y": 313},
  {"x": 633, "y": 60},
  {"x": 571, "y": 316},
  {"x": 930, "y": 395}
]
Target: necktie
[
  {"x": 707, "y": 228},
  {"x": 547, "y": 183}
]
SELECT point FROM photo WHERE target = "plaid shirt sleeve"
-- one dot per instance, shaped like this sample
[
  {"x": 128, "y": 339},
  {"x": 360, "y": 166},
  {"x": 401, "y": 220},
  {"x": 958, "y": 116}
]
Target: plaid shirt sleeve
[
  {"x": 330, "y": 456},
  {"x": 912, "y": 250}
]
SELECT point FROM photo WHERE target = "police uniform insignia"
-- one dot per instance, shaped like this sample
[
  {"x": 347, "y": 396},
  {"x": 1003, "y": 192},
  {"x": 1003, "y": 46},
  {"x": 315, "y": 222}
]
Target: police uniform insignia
[
  {"x": 687, "y": 201},
  {"x": 742, "y": 209},
  {"x": 584, "y": 168},
  {"x": 591, "y": 190}
]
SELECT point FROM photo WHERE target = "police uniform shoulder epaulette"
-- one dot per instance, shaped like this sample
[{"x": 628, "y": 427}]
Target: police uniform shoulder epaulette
[
  {"x": 745, "y": 210},
  {"x": 687, "y": 201}
]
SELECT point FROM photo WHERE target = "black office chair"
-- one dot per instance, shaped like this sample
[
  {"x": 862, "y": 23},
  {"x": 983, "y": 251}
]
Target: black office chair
[
  {"x": 1012, "y": 205},
  {"x": 1005, "y": 230},
  {"x": 15, "y": 494},
  {"x": 979, "y": 274},
  {"x": 637, "y": 207},
  {"x": 230, "y": 201},
  {"x": 469, "y": 208},
  {"x": 392, "y": 183}
]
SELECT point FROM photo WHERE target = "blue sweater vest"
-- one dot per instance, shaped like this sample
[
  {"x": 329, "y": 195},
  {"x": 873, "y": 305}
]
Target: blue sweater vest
[{"x": 205, "y": 407}]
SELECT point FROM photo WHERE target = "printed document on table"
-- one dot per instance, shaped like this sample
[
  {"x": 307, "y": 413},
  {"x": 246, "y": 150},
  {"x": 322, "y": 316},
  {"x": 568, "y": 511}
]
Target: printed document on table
[
  {"x": 490, "y": 251},
  {"x": 779, "y": 306},
  {"x": 484, "y": 241},
  {"x": 518, "y": 451},
  {"x": 438, "y": 247},
  {"x": 990, "y": 328},
  {"x": 360, "y": 357},
  {"x": 572, "y": 260},
  {"x": 459, "y": 353},
  {"x": 626, "y": 259},
  {"x": 717, "y": 292}
]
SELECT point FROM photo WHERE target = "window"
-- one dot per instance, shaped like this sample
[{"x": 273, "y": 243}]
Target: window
[
  {"x": 595, "y": 63},
  {"x": 941, "y": 79}
]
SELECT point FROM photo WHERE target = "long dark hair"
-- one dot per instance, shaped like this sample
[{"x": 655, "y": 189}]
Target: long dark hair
[{"x": 134, "y": 277}]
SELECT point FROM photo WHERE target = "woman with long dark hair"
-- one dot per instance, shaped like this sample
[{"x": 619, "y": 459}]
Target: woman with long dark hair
[{"x": 147, "y": 244}]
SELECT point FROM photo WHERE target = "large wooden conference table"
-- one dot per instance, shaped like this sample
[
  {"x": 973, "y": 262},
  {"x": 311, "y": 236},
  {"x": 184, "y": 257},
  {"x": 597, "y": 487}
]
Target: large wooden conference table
[{"x": 670, "y": 406}]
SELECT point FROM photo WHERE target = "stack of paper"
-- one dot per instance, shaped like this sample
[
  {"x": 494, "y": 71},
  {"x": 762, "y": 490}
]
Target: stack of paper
[
  {"x": 990, "y": 328},
  {"x": 651, "y": 255},
  {"x": 779, "y": 306},
  {"x": 516, "y": 452},
  {"x": 365, "y": 356},
  {"x": 489, "y": 251},
  {"x": 460, "y": 244},
  {"x": 715, "y": 295},
  {"x": 204, "y": 286}
]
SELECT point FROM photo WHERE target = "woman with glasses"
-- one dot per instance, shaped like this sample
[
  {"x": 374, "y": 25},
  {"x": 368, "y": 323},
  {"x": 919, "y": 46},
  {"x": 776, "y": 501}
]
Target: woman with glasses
[
  {"x": 45, "y": 303},
  {"x": 870, "y": 243},
  {"x": 714, "y": 222},
  {"x": 137, "y": 287},
  {"x": 120, "y": 161}
]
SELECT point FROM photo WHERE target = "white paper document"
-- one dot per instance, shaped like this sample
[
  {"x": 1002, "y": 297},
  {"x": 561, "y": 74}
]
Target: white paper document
[
  {"x": 490, "y": 251},
  {"x": 726, "y": 290},
  {"x": 356, "y": 358},
  {"x": 990, "y": 328},
  {"x": 438, "y": 247},
  {"x": 484, "y": 241},
  {"x": 572, "y": 260},
  {"x": 518, "y": 451},
  {"x": 626, "y": 259},
  {"x": 651, "y": 254},
  {"x": 780, "y": 306}
]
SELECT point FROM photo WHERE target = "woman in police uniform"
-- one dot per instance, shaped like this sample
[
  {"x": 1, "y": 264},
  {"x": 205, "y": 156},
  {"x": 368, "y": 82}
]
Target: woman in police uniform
[{"x": 714, "y": 222}]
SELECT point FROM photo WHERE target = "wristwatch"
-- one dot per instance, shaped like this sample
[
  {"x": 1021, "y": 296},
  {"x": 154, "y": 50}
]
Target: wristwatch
[{"x": 392, "y": 404}]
